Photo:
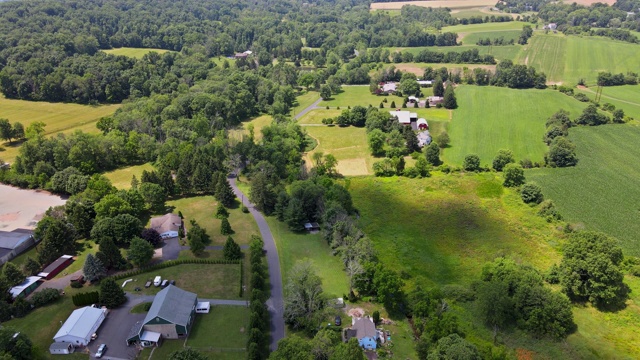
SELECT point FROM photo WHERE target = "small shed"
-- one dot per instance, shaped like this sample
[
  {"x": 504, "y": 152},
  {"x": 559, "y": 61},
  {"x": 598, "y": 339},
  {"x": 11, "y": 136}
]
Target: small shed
[
  {"x": 312, "y": 226},
  {"x": 26, "y": 287},
  {"x": 203, "y": 307},
  {"x": 413, "y": 99},
  {"x": 61, "y": 348},
  {"x": 56, "y": 267}
]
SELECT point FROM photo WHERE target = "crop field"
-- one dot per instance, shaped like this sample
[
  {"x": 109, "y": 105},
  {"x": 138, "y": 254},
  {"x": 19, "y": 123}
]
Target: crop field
[
  {"x": 486, "y": 27},
  {"x": 121, "y": 178},
  {"x": 452, "y": 4},
  {"x": 472, "y": 38},
  {"x": 570, "y": 58},
  {"x": 490, "y": 118},
  {"x": 508, "y": 52},
  {"x": 137, "y": 53},
  {"x": 601, "y": 192},
  {"x": 347, "y": 144},
  {"x": 625, "y": 97},
  {"x": 58, "y": 117}
]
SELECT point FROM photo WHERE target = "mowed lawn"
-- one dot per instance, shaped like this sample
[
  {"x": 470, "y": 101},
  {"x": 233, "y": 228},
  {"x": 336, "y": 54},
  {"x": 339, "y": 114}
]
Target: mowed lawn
[
  {"x": 202, "y": 209},
  {"x": 58, "y": 117},
  {"x": 602, "y": 191},
  {"x": 625, "y": 97},
  {"x": 121, "y": 178},
  {"x": 492, "y": 118},
  {"x": 223, "y": 328},
  {"x": 137, "y": 53},
  {"x": 304, "y": 100},
  {"x": 209, "y": 281},
  {"x": 293, "y": 247},
  {"x": 359, "y": 95},
  {"x": 314, "y": 117}
]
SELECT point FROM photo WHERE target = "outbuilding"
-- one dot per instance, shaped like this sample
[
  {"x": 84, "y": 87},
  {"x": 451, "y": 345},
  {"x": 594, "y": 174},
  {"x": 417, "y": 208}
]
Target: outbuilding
[
  {"x": 61, "y": 348},
  {"x": 422, "y": 124},
  {"x": 26, "y": 287},
  {"x": 56, "y": 267},
  {"x": 14, "y": 243},
  {"x": 81, "y": 324}
]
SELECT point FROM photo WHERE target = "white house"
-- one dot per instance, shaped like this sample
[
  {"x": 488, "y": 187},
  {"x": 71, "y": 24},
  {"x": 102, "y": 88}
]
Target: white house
[
  {"x": 167, "y": 225},
  {"x": 404, "y": 117},
  {"x": 81, "y": 324},
  {"x": 389, "y": 87}
]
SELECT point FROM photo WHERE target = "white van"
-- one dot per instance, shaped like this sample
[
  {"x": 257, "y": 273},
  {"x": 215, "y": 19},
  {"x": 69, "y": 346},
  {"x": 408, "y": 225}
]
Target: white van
[{"x": 157, "y": 281}]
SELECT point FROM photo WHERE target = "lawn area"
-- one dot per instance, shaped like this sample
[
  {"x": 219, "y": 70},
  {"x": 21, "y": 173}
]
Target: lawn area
[
  {"x": 305, "y": 100},
  {"x": 492, "y": 118},
  {"x": 202, "y": 209},
  {"x": 121, "y": 178},
  {"x": 293, "y": 247},
  {"x": 625, "y": 97},
  {"x": 347, "y": 144},
  {"x": 570, "y": 58},
  {"x": 209, "y": 281},
  {"x": 316, "y": 116},
  {"x": 88, "y": 247},
  {"x": 58, "y": 117},
  {"x": 601, "y": 192},
  {"x": 359, "y": 95},
  {"x": 137, "y": 53},
  {"x": 223, "y": 328}
]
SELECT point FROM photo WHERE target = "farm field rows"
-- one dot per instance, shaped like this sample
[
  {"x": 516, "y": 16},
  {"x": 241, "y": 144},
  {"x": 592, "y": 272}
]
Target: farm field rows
[
  {"x": 59, "y": 117},
  {"x": 491, "y": 118},
  {"x": 137, "y": 53},
  {"x": 546, "y": 53},
  {"x": 601, "y": 192}
]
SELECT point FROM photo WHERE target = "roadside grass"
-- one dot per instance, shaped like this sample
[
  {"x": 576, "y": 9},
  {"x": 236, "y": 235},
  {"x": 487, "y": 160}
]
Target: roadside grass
[
  {"x": 304, "y": 100},
  {"x": 316, "y": 116},
  {"x": 137, "y": 53},
  {"x": 492, "y": 118},
  {"x": 202, "y": 209},
  {"x": 294, "y": 247},
  {"x": 508, "y": 52},
  {"x": 472, "y": 38},
  {"x": 625, "y": 97},
  {"x": 359, "y": 95},
  {"x": 58, "y": 117},
  {"x": 546, "y": 53},
  {"x": 139, "y": 309},
  {"x": 347, "y": 144},
  {"x": 601, "y": 192},
  {"x": 223, "y": 328},
  {"x": 209, "y": 281},
  {"x": 121, "y": 178}
]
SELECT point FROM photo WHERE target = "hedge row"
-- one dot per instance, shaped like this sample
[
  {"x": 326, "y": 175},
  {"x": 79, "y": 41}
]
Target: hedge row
[
  {"x": 258, "y": 342},
  {"x": 171, "y": 263},
  {"x": 86, "y": 298}
]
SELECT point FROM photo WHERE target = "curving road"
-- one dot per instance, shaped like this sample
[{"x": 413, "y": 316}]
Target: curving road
[{"x": 275, "y": 303}]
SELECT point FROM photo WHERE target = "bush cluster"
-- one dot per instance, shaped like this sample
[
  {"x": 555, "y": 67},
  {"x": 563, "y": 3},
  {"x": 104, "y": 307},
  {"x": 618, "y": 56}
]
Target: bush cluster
[
  {"x": 259, "y": 318},
  {"x": 86, "y": 298}
]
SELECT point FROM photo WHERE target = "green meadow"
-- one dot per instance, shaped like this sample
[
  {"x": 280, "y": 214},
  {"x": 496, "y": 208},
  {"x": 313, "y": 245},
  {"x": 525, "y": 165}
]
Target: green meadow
[
  {"x": 137, "y": 53},
  {"x": 121, "y": 178},
  {"x": 602, "y": 191},
  {"x": 359, "y": 95},
  {"x": 491, "y": 118},
  {"x": 625, "y": 97},
  {"x": 495, "y": 26},
  {"x": 508, "y": 52},
  {"x": 472, "y": 39}
]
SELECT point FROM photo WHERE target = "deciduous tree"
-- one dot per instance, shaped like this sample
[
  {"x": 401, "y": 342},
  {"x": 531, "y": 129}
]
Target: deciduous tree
[
  {"x": 432, "y": 154},
  {"x": 140, "y": 252},
  {"x": 111, "y": 294},
  {"x": 503, "y": 158},
  {"x": 513, "y": 175},
  {"x": 13, "y": 274},
  {"x": 303, "y": 296}
]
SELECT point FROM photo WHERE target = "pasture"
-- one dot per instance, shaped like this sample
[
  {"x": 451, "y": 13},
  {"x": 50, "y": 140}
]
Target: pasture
[
  {"x": 625, "y": 97},
  {"x": 601, "y": 192},
  {"x": 136, "y": 53},
  {"x": 473, "y": 38},
  {"x": 491, "y": 118},
  {"x": 451, "y": 4},
  {"x": 568, "y": 59},
  {"x": 58, "y": 117}
]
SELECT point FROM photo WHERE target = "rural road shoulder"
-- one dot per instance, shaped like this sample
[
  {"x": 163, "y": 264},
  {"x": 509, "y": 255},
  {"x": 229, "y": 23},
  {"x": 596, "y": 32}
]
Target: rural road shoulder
[{"x": 275, "y": 303}]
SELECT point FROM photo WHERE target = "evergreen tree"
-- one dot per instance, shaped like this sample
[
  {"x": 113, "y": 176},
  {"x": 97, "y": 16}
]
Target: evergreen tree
[
  {"x": 110, "y": 255},
  {"x": 295, "y": 215},
  {"x": 449, "y": 101},
  {"x": 411, "y": 140},
  {"x": 93, "y": 269},
  {"x": 221, "y": 212},
  {"x": 140, "y": 252},
  {"x": 13, "y": 274},
  {"x": 111, "y": 294},
  {"x": 438, "y": 87},
  {"x": 135, "y": 182},
  {"x": 197, "y": 238},
  {"x": 32, "y": 266},
  {"x": 432, "y": 154},
  {"x": 225, "y": 227},
  {"x": 232, "y": 250},
  {"x": 224, "y": 193}
]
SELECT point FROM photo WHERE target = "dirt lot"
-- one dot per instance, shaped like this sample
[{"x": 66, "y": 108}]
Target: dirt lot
[{"x": 23, "y": 208}]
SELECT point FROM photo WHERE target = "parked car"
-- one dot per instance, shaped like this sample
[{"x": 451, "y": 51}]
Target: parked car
[
  {"x": 165, "y": 283},
  {"x": 157, "y": 281},
  {"x": 101, "y": 350},
  {"x": 338, "y": 321},
  {"x": 94, "y": 336}
]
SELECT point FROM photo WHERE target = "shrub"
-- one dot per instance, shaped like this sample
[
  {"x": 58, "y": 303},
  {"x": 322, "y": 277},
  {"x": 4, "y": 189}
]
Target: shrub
[
  {"x": 45, "y": 297},
  {"x": 471, "y": 162},
  {"x": 513, "y": 175},
  {"x": 548, "y": 210},
  {"x": 531, "y": 193}
]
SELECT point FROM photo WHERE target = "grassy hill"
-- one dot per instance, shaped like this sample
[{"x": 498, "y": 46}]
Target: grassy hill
[
  {"x": 137, "y": 53},
  {"x": 601, "y": 192},
  {"x": 490, "y": 118},
  {"x": 625, "y": 97}
]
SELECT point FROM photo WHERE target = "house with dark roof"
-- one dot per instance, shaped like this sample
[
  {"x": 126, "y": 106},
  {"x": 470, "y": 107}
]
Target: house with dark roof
[
  {"x": 167, "y": 225},
  {"x": 365, "y": 331},
  {"x": 170, "y": 317}
]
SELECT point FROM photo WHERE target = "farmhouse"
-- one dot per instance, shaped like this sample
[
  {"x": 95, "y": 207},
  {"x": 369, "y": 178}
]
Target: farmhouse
[
  {"x": 435, "y": 100},
  {"x": 170, "y": 317},
  {"x": 26, "y": 287},
  {"x": 389, "y": 88},
  {"x": 80, "y": 325},
  {"x": 167, "y": 225},
  {"x": 55, "y": 267},
  {"x": 404, "y": 117},
  {"x": 365, "y": 331},
  {"x": 14, "y": 243}
]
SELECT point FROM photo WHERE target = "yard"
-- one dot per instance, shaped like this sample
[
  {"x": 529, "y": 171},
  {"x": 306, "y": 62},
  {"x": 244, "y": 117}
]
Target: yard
[
  {"x": 209, "y": 281},
  {"x": 492, "y": 118},
  {"x": 121, "y": 178},
  {"x": 202, "y": 209},
  {"x": 137, "y": 53}
]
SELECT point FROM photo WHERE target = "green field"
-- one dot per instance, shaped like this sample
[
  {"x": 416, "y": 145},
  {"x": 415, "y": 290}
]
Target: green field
[
  {"x": 490, "y": 118},
  {"x": 601, "y": 192},
  {"x": 202, "y": 209},
  {"x": 137, "y": 53},
  {"x": 121, "y": 178},
  {"x": 570, "y": 58},
  {"x": 625, "y": 97},
  {"x": 293, "y": 247},
  {"x": 347, "y": 144},
  {"x": 258, "y": 123},
  {"x": 359, "y": 95},
  {"x": 314, "y": 117},
  {"x": 304, "y": 100},
  {"x": 58, "y": 117},
  {"x": 472, "y": 38},
  {"x": 496, "y": 26},
  {"x": 508, "y": 52},
  {"x": 223, "y": 328}
]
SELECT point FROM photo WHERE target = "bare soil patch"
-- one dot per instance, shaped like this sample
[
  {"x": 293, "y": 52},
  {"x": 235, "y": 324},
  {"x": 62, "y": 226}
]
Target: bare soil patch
[
  {"x": 23, "y": 208},
  {"x": 352, "y": 167}
]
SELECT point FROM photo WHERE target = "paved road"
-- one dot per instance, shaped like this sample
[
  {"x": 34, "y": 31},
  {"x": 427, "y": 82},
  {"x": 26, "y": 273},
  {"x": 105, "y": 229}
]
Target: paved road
[
  {"x": 306, "y": 110},
  {"x": 275, "y": 304}
]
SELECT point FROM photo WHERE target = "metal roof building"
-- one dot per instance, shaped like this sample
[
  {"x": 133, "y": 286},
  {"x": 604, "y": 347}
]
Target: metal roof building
[{"x": 80, "y": 325}]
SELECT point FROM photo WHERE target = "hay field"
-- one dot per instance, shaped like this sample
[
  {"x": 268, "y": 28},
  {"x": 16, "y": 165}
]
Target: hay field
[
  {"x": 137, "y": 53},
  {"x": 452, "y": 4},
  {"x": 347, "y": 144},
  {"x": 492, "y": 118},
  {"x": 59, "y": 117},
  {"x": 472, "y": 38}
]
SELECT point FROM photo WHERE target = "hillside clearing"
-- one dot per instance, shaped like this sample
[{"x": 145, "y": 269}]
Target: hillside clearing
[
  {"x": 451, "y": 4},
  {"x": 121, "y": 178},
  {"x": 137, "y": 53}
]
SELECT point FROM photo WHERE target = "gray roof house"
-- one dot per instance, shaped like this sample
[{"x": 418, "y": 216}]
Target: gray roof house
[
  {"x": 167, "y": 225},
  {"x": 13, "y": 243},
  {"x": 170, "y": 316},
  {"x": 365, "y": 331}
]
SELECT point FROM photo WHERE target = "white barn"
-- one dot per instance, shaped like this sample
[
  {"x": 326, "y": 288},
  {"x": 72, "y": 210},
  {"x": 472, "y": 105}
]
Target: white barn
[
  {"x": 167, "y": 225},
  {"x": 80, "y": 325}
]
